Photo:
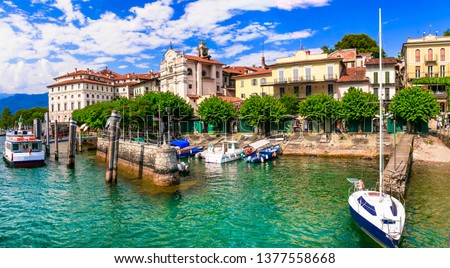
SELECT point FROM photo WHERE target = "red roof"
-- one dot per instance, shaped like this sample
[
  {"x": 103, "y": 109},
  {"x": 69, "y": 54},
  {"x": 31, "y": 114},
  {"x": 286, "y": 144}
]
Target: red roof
[
  {"x": 231, "y": 99},
  {"x": 346, "y": 54},
  {"x": 202, "y": 59},
  {"x": 76, "y": 81},
  {"x": 260, "y": 71},
  {"x": 357, "y": 74},
  {"x": 376, "y": 61}
]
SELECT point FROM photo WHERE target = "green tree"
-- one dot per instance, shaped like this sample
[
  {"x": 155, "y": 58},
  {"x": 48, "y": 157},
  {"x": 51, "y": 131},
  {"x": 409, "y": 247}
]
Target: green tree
[
  {"x": 358, "y": 105},
  {"x": 362, "y": 42},
  {"x": 28, "y": 115},
  {"x": 320, "y": 107},
  {"x": 415, "y": 104},
  {"x": 447, "y": 32},
  {"x": 290, "y": 102},
  {"x": 216, "y": 110},
  {"x": 5, "y": 120},
  {"x": 327, "y": 50},
  {"x": 259, "y": 111}
]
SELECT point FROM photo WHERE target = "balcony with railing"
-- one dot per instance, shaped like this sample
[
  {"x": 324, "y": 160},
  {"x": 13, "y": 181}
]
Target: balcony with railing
[
  {"x": 430, "y": 58},
  {"x": 296, "y": 80},
  {"x": 414, "y": 75}
]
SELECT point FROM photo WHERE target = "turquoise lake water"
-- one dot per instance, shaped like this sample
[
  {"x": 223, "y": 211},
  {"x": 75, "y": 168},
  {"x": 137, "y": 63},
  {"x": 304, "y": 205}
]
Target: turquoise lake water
[{"x": 290, "y": 202}]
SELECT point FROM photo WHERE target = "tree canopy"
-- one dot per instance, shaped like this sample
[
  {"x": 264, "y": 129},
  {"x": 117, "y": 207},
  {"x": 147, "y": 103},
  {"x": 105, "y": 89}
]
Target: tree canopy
[
  {"x": 216, "y": 110},
  {"x": 319, "y": 107},
  {"x": 362, "y": 42},
  {"x": 5, "y": 119},
  {"x": 290, "y": 102},
  {"x": 140, "y": 110},
  {"x": 257, "y": 110},
  {"x": 447, "y": 32},
  {"x": 358, "y": 105},
  {"x": 415, "y": 104}
]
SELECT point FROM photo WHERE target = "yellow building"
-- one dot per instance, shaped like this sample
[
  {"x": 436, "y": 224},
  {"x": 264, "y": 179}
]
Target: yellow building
[
  {"x": 428, "y": 57},
  {"x": 305, "y": 74},
  {"x": 254, "y": 82}
]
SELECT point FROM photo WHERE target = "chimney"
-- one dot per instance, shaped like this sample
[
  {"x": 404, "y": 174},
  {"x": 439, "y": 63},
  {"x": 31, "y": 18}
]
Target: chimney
[
  {"x": 263, "y": 62},
  {"x": 76, "y": 70},
  {"x": 308, "y": 52}
]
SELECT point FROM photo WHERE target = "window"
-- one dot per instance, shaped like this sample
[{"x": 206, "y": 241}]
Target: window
[
  {"x": 204, "y": 73},
  {"x": 308, "y": 90},
  {"x": 417, "y": 55},
  {"x": 254, "y": 82},
  {"x": 87, "y": 103},
  {"x": 442, "y": 71},
  {"x": 189, "y": 71},
  {"x": 295, "y": 74},
  {"x": 387, "y": 78},
  {"x": 263, "y": 94},
  {"x": 170, "y": 69},
  {"x": 281, "y": 91},
  {"x": 430, "y": 71},
  {"x": 330, "y": 71},
  {"x": 330, "y": 89},
  {"x": 442, "y": 54},
  {"x": 72, "y": 106},
  {"x": 297, "y": 91},
  {"x": 263, "y": 81},
  {"x": 217, "y": 75},
  {"x": 190, "y": 86},
  {"x": 308, "y": 70},
  {"x": 79, "y": 105},
  {"x": 386, "y": 94},
  {"x": 242, "y": 96},
  {"x": 375, "y": 91},
  {"x": 59, "y": 107},
  {"x": 417, "y": 72},
  {"x": 53, "y": 107},
  {"x": 242, "y": 83},
  {"x": 71, "y": 96},
  {"x": 87, "y": 95},
  {"x": 375, "y": 77},
  {"x": 281, "y": 75},
  {"x": 65, "y": 106},
  {"x": 430, "y": 54}
]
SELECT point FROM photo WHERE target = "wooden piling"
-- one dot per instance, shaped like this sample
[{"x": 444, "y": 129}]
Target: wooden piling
[
  {"x": 72, "y": 141},
  {"x": 113, "y": 147},
  {"x": 56, "y": 140},
  {"x": 47, "y": 135}
]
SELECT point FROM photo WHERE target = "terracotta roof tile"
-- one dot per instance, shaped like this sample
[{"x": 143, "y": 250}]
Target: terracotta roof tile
[
  {"x": 201, "y": 59},
  {"x": 376, "y": 61},
  {"x": 259, "y": 72},
  {"x": 345, "y": 54},
  {"x": 354, "y": 75}
]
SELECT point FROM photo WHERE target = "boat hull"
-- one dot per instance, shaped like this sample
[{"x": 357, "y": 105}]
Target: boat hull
[
  {"x": 373, "y": 231},
  {"x": 221, "y": 158}
]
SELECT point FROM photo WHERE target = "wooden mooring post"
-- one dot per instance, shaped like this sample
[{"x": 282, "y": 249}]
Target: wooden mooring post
[
  {"x": 55, "y": 137},
  {"x": 113, "y": 147},
  {"x": 47, "y": 135},
  {"x": 72, "y": 141}
]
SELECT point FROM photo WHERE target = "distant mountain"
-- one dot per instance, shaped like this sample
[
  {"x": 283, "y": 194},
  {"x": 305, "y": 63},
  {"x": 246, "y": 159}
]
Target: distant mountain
[
  {"x": 4, "y": 95},
  {"x": 24, "y": 101}
]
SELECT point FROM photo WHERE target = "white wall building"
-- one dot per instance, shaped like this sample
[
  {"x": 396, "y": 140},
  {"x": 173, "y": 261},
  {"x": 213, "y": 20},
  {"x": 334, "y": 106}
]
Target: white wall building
[
  {"x": 388, "y": 76},
  {"x": 81, "y": 88},
  {"x": 191, "y": 77}
]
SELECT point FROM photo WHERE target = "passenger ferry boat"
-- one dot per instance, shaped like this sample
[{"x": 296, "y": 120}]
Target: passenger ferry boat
[{"x": 22, "y": 149}]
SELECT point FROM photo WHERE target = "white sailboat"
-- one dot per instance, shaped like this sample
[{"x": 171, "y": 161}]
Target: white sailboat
[{"x": 378, "y": 214}]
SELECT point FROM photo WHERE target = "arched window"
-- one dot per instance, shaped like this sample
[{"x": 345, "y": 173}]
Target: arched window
[
  {"x": 442, "y": 54},
  {"x": 417, "y": 54},
  {"x": 204, "y": 73},
  {"x": 217, "y": 75},
  {"x": 430, "y": 54},
  {"x": 189, "y": 71}
]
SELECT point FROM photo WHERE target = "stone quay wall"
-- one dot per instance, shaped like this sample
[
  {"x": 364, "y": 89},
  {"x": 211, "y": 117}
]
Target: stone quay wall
[{"x": 149, "y": 162}]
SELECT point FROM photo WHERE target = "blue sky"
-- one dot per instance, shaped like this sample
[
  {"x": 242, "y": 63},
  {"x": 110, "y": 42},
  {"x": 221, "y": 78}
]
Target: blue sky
[{"x": 41, "y": 39}]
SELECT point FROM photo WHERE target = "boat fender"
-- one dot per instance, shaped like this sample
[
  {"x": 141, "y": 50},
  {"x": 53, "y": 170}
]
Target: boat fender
[
  {"x": 30, "y": 150},
  {"x": 267, "y": 156},
  {"x": 262, "y": 159},
  {"x": 12, "y": 156}
]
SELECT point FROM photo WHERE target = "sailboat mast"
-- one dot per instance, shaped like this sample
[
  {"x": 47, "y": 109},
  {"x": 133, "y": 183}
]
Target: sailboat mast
[{"x": 380, "y": 99}]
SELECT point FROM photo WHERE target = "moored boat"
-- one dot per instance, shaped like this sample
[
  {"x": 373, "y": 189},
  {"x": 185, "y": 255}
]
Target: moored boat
[
  {"x": 379, "y": 215},
  {"x": 22, "y": 149},
  {"x": 264, "y": 154},
  {"x": 228, "y": 151}
]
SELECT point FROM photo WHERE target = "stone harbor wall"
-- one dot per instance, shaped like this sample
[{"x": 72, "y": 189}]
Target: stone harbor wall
[{"x": 149, "y": 162}]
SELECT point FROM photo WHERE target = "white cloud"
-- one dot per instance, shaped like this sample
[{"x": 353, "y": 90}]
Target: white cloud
[
  {"x": 10, "y": 3},
  {"x": 70, "y": 14},
  {"x": 231, "y": 51},
  {"x": 290, "y": 36},
  {"x": 255, "y": 58}
]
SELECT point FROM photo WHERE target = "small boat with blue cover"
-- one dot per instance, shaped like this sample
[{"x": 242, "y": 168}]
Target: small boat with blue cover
[
  {"x": 184, "y": 148},
  {"x": 262, "y": 155}
]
